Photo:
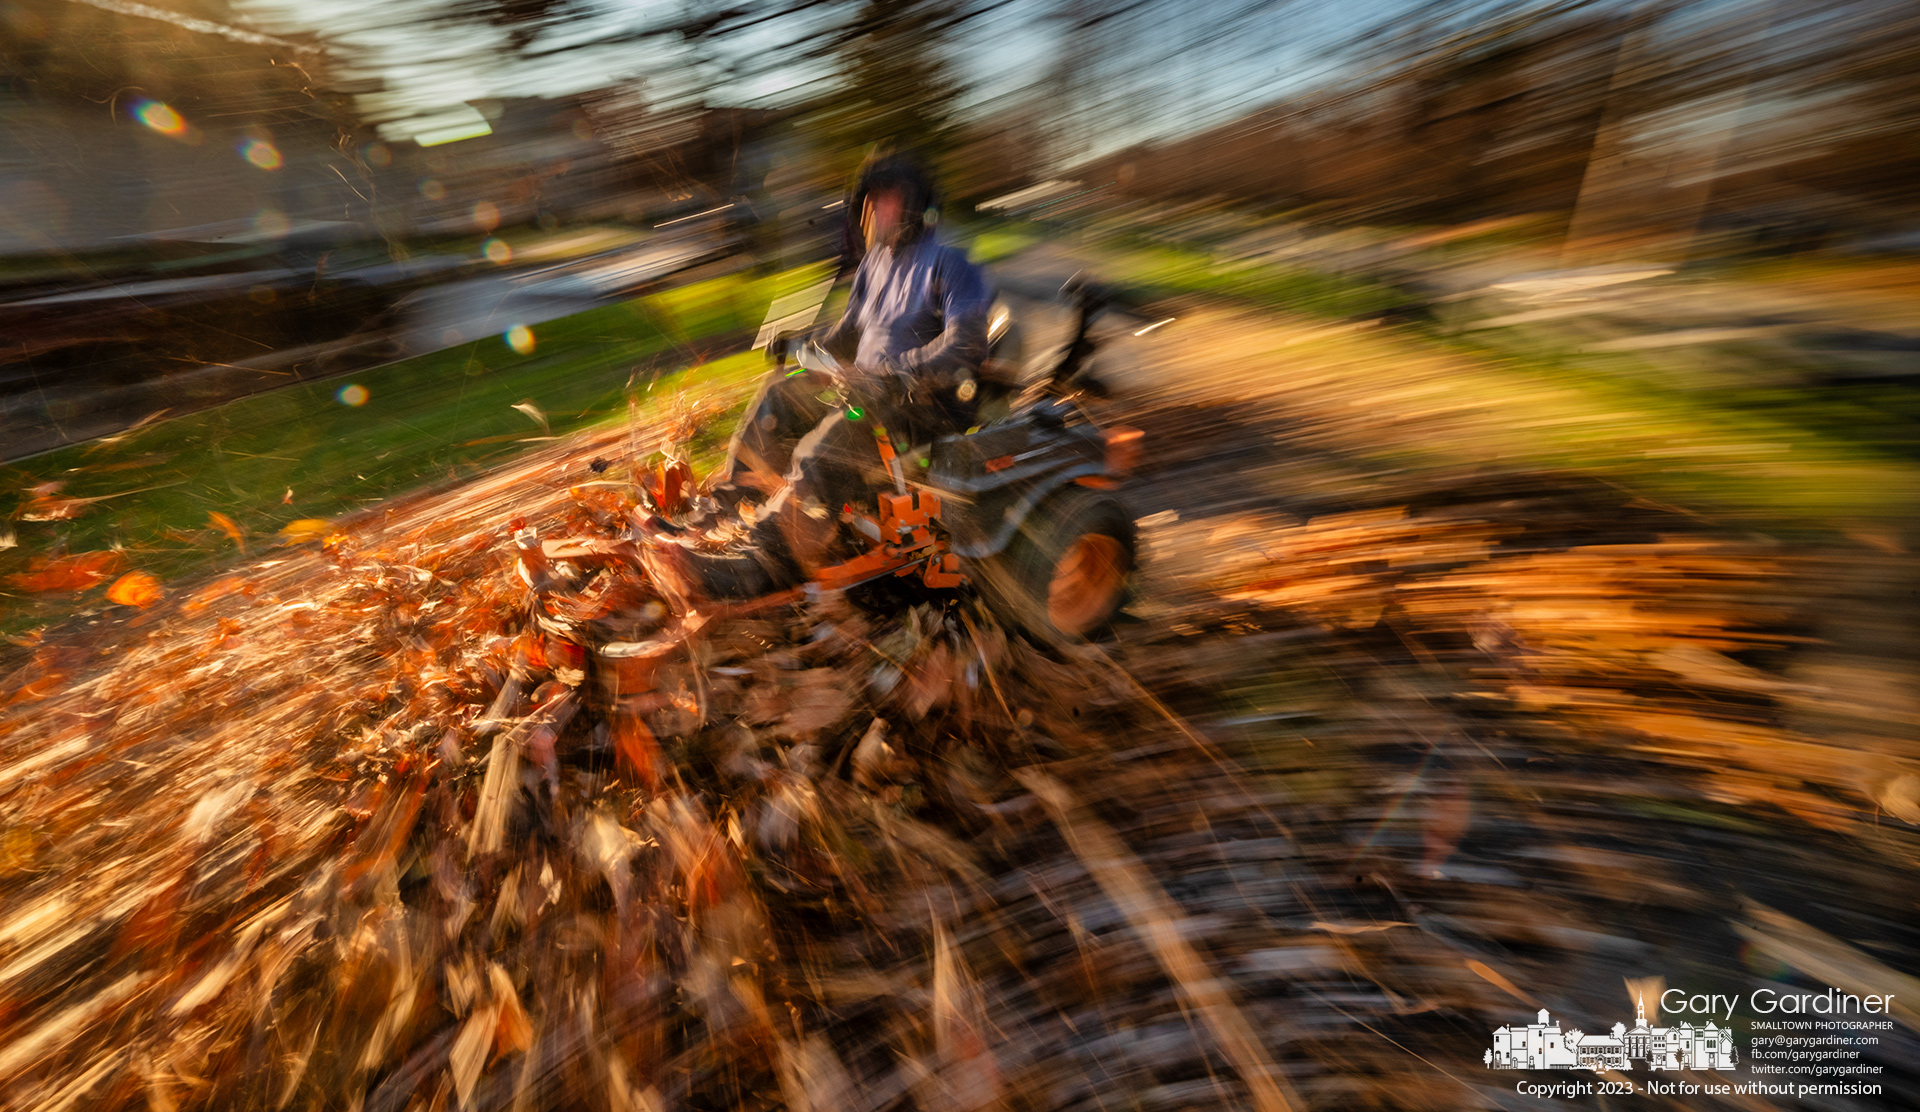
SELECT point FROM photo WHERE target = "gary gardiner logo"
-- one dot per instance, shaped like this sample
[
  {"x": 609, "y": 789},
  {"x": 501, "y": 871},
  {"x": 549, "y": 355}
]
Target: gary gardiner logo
[{"x": 1542, "y": 1045}]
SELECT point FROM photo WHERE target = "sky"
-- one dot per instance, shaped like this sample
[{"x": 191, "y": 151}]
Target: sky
[{"x": 1160, "y": 70}]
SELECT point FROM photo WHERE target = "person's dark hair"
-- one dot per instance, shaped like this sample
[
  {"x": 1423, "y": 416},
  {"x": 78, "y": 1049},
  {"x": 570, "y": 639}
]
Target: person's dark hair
[{"x": 887, "y": 172}]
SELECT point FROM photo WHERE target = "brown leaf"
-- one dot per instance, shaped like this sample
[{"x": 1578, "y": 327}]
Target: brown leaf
[
  {"x": 872, "y": 758},
  {"x": 1901, "y": 797},
  {"x": 47, "y": 505},
  {"x": 971, "y": 1074},
  {"x": 514, "y": 1031},
  {"x": 629, "y": 667},
  {"x": 379, "y": 845},
  {"x": 930, "y": 683},
  {"x": 712, "y": 872},
  {"x": 820, "y": 700},
  {"x": 1828, "y": 959},
  {"x": 218, "y": 589},
  {"x": 1157, "y": 919}
]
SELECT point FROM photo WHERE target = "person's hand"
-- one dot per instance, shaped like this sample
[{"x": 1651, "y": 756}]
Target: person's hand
[
  {"x": 897, "y": 385},
  {"x": 884, "y": 380}
]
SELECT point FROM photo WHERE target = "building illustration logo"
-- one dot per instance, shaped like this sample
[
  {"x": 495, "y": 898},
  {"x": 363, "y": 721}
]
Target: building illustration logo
[{"x": 1542, "y": 1045}]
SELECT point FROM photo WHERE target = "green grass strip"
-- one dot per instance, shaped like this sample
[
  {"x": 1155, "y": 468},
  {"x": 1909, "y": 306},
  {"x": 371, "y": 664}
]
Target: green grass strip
[{"x": 433, "y": 418}]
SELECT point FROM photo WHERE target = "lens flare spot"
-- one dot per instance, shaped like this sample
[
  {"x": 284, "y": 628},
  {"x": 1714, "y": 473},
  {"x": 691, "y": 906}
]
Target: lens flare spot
[
  {"x": 261, "y": 153},
  {"x": 520, "y": 339},
  {"x": 160, "y": 117},
  {"x": 379, "y": 155},
  {"x": 485, "y": 216},
  {"x": 498, "y": 251},
  {"x": 1763, "y": 963},
  {"x": 432, "y": 190},
  {"x": 352, "y": 394}
]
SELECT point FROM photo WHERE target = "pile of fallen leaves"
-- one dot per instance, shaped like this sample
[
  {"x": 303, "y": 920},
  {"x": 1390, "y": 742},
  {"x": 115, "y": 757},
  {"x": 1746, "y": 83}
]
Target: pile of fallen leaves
[
  {"x": 454, "y": 808},
  {"x": 1720, "y": 657}
]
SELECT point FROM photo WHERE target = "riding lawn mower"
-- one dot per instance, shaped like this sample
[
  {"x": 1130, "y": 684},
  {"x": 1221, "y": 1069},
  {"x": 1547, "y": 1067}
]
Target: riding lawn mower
[{"x": 1023, "y": 508}]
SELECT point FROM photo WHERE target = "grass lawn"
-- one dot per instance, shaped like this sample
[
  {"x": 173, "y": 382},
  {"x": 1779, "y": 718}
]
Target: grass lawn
[
  {"x": 310, "y": 452},
  {"x": 1686, "y": 448},
  {"x": 1778, "y": 455},
  {"x": 992, "y": 242},
  {"x": 1163, "y": 270}
]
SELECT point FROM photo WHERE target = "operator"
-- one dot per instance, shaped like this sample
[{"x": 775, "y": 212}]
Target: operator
[{"x": 914, "y": 335}]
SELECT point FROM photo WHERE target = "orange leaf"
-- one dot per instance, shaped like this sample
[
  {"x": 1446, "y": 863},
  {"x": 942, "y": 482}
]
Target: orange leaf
[
  {"x": 136, "y": 588},
  {"x": 1492, "y": 976},
  {"x": 38, "y": 689},
  {"x": 381, "y": 841},
  {"x": 712, "y": 874},
  {"x": 68, "y": 573},
  {"x": 306, "y": 529},
  {"x": 635, "y": 747},
  {"x": 529, "y": 652},
  {"x": 567, "y": 660},
  {"x": 228, "y": 526}
]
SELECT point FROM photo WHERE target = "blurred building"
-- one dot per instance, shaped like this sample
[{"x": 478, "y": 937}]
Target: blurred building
[{"x": 123, "y": 130}]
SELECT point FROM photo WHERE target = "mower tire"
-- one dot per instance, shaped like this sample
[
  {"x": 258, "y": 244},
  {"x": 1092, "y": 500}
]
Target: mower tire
[{"x": 1066, "y": 572}]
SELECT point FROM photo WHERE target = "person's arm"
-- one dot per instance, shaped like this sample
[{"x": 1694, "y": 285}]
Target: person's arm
[
  {"x": 842, "y": 341},
  {"x": 962, "y": 344}
]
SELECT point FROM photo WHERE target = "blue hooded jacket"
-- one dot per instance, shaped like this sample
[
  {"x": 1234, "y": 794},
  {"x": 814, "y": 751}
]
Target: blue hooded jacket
[{"x": 920, "y": 308}]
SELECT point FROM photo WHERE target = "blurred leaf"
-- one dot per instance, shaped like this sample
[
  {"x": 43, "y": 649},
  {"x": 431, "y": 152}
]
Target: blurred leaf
[
  {"x": 634, "y": 746},
  {"x": 228, "y": 526},
  {"x": 534, "y": 413},
  {"x": 45, "y": 504},
  {"x": 306, "y": 529},
  {"x": 873, "y": 757},
  {"x": 1493, "y": 977},
  {"x": 515, "y": 1030},
  {"x": 136, "y": 588},
  {"x": 68, "y": 574},
  {"x": 470, "y": 1051},
  {"x": 818, "y": 701},
  {"x": 216, "y": 590}
]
